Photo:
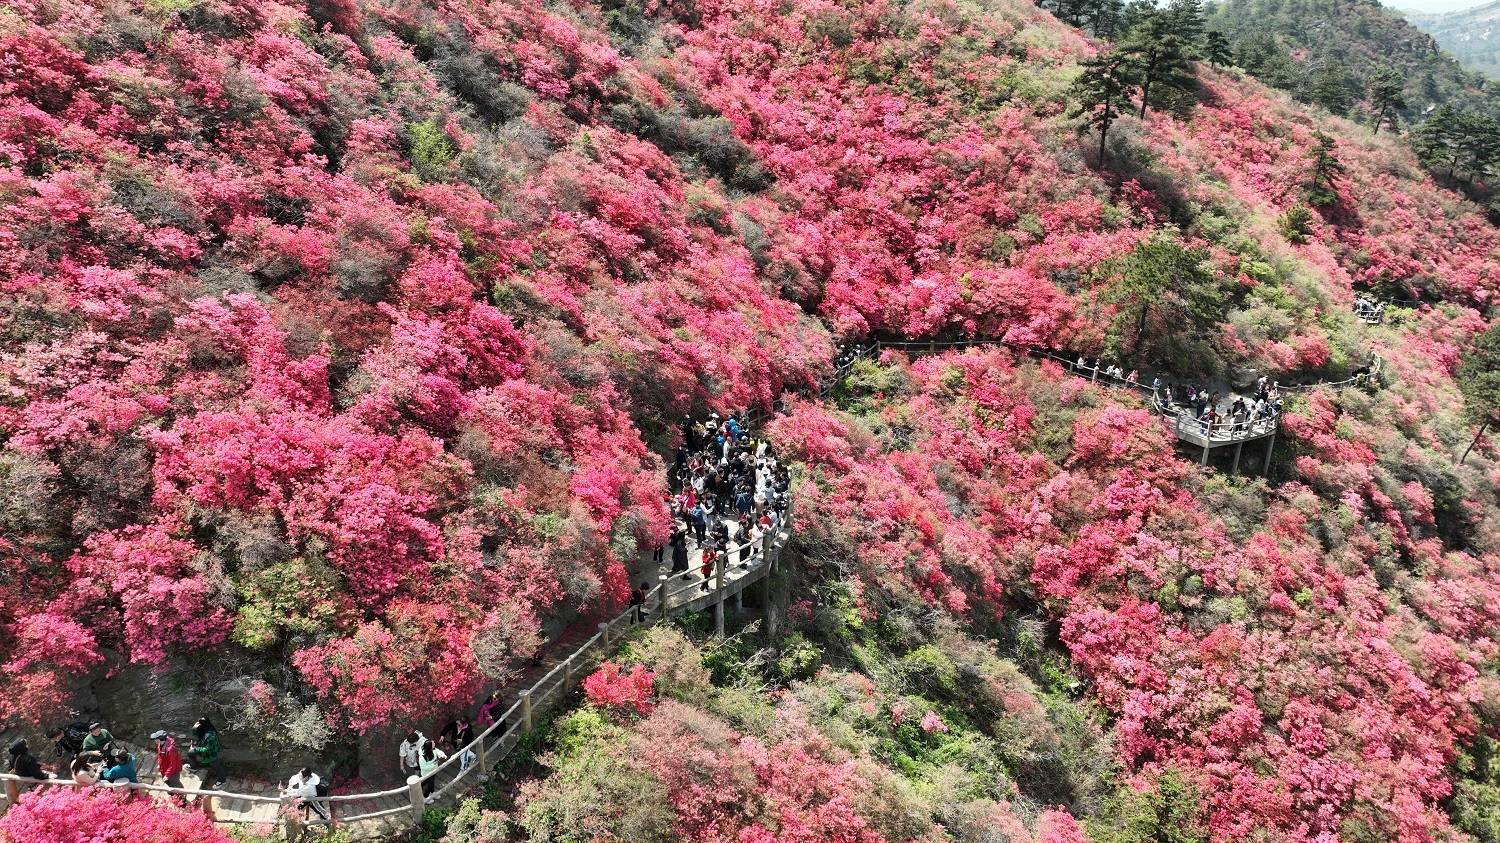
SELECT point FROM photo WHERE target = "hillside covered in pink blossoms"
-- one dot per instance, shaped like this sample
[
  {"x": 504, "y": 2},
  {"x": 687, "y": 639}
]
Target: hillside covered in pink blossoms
[{"x": 348, "y": 342}]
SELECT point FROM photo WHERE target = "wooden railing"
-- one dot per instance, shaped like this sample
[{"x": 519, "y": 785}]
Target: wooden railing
[{"x": 739, "y": 567}]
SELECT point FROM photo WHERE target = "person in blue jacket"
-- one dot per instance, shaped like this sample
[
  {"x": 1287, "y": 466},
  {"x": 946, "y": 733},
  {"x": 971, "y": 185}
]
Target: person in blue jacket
[{"x": 123, "y": 769}]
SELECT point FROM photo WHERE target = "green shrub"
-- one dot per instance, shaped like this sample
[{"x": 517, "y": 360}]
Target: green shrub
[
  {"x": 798, "y": 659},
  {"x": 429, "y": 149},
  {"x": 1296, "y": 224}
]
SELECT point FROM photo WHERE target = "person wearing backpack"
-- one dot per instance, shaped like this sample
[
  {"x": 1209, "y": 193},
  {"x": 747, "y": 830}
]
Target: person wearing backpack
[
  {"x": 67, "y": 739},
  {"x": 205, "y": 753}
]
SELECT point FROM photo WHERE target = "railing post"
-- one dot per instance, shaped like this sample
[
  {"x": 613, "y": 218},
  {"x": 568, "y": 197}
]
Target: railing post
[
  {"x": 568, "y": 671},
  {"x": 719, "y": 596},
  {"x": 418, "y": 800},
  {"x": 481, "y": 757},
  {"x": 526, "y": 710},
  {"x": 663, "y": 606},
  {"x": 12, "y": 793}
]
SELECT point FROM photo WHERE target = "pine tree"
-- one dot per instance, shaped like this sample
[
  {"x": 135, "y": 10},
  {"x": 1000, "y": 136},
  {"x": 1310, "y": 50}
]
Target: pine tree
[
  {"x": 1479, "y": 383},
  {"x": 1386, "y": 97},
  {"x": 1103, "y": 90},
  {"x": 1186, "y": 19},
  {"x": 1158, "y": 55},
  {"x": 1104, "y": 17},
  {"x": 1436, "y": 140},
  {"x": 1329, "y": 87},
  {"x": 1216, "y": 49},
  {"x": 1322, "y": 188},
  {"x": 1478, "y": 144}
]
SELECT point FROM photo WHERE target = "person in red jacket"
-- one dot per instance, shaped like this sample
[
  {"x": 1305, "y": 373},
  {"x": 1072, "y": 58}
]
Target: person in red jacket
[{"x": 168, "y": 761}]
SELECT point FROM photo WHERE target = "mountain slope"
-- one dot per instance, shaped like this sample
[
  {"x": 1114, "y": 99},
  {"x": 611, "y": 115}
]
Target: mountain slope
[
  {"x": 1328, "y": 51},
  {"x": 345, "y": 346},
  {"x": 1470, "y": 35}
]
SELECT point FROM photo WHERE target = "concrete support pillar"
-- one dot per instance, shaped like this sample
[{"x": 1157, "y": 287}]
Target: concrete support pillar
[
  {"x": 1265, "y": 470},
  {"x": 1237, "y": 449}
]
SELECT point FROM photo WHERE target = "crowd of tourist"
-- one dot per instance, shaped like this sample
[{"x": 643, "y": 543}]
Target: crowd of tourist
[
  {"x": 92, "y": 756},
  {"x": 1368, "y": 309},
  {"x": 728, "y": 491}
]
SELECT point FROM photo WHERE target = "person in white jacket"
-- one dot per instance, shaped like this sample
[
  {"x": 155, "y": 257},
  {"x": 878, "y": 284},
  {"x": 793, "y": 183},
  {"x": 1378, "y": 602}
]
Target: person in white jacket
[{"x": 302, "y": 789}]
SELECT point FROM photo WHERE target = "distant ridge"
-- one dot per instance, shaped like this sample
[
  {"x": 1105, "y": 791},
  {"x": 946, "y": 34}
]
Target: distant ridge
[{"x": 1471, "y": 35}]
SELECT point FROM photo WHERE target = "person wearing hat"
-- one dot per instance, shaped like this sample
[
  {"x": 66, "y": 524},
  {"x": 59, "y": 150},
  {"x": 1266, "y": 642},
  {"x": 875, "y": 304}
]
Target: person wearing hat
[
  {"x": 168, "y": 759},
  {"x": 23, "y": 763},
  {"x": 98, "y": 739},
  {"x": 205, "y": 752}
]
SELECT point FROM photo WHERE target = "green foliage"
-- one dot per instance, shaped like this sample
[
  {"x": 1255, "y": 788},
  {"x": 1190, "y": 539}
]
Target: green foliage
[
  {"x": 1479, "y": 378},
  {"x": 798, "y": 658},
  {"x": 1167, "y": 812},
  {"x": 1296, "y": 224},
  {"x": 1458, "y": 143},
  {"x": 676, "y": 663},
  {"x": 1332, "y": 86},
  {"x": 1284, "y": 44},
  {"x": 429, "y": 149},
  {"x": 593, "y": 793},
  {"x": 1387, "y": 97},
  {"x": 1216, "y": 50},
  {"x": 472, "y": 822},
  {"x": 293, "y": 597},
  {"x": 1475, "y": 807},
  {"x": 1321, "y": 188},
  {"x": 1159, "y": 54},
  {"x": 1103, "y": 90},
  {"x": 1166, "y": 302}
]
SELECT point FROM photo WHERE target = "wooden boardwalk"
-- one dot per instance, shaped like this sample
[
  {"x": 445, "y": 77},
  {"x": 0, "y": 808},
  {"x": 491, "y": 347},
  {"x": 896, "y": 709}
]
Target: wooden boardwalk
[{"x": 259, "y": 807}]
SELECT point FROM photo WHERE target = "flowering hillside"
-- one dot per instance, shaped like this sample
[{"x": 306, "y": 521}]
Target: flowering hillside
[{"x": 346, "y": 341}]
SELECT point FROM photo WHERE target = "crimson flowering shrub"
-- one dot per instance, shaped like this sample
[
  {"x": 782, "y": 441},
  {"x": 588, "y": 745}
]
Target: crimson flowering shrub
[
  {"x": 611, "y": 687},
  {"x": 270, "y": 332},
  {"x": 73, "y": 815}
]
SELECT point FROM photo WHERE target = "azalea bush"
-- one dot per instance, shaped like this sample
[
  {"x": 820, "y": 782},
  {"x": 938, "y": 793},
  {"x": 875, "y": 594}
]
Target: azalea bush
[{"x": 75, "y": 815}]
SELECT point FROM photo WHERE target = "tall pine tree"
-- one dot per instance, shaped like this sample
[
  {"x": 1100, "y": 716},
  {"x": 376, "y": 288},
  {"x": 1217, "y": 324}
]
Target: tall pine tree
[
  {"x": 1103, "y": 90},
  {"x": 1216, "y": 49},
  {"x": 1159, "y": 56},
  {"x": 1387, "y": 97}
]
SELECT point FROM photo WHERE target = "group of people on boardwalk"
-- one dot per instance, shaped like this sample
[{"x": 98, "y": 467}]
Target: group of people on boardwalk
[
  {"x": 92, "y": 756},
  {"x": 728, "y": 491},
  {"x": 1217, "y": 414},
  {"x": 1368, "y": 309}
]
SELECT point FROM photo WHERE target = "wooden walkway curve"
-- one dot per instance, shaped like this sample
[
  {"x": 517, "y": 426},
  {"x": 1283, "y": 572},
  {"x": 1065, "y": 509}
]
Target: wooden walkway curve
[
  {"x": 1184, "y": 426},
  {"x": 384, "y": 813}
]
